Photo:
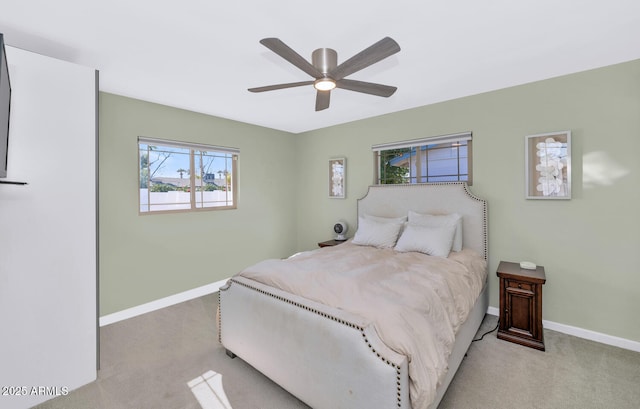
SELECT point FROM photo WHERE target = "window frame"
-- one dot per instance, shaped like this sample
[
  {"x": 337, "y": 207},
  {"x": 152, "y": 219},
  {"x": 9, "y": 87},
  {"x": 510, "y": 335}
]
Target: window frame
[
  {"x": 424, "y": 143},
  {"x": 195, "y": 204}
]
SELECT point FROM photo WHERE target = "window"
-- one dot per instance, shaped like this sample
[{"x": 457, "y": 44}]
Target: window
[
  {"x": 436, "y": 159},
  {"x": 182, "y": 176}
]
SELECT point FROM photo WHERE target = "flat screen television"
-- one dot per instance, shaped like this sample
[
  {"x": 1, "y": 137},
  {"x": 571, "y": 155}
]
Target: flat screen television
[{"x": 5, "y": 107}]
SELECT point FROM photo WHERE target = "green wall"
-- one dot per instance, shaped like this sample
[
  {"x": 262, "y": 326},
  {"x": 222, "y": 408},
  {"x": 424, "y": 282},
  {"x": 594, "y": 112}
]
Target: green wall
[
  {"x": 588, "y": 245},
  {"x": 145, "y": 258}
]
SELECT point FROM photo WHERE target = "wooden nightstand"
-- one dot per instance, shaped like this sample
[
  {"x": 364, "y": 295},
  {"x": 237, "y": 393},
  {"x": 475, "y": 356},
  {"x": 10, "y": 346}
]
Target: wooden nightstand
[
  {"x": 329, "y": 243},
  {"x": 521, "y": 304}
]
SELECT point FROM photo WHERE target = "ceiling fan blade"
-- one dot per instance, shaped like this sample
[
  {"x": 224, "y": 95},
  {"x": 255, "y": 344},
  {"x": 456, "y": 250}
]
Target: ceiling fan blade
[
  {"x": 322, "y": 100},
  {"x": 371, "y": 55},
  {"x": 280, "y": 86},
  {"x": 366, "y": 87},
  {"x": 286, "y": 52}
]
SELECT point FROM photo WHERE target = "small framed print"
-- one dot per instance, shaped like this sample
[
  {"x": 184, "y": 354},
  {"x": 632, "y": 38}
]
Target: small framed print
[
  {"x": 548, "y": 165},
  {"x": 337, "y": 178}
]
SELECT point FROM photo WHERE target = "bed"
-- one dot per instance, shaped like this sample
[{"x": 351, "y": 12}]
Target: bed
[{"x": 334, "y": 351}]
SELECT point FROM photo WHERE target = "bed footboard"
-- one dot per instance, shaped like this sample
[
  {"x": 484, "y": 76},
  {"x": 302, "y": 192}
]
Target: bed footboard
[{"x": 325, "y": 357}]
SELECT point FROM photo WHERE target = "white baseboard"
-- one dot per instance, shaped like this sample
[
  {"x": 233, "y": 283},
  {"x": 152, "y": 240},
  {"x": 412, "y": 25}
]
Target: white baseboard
[
  {"x": 584, "y": 333},
  {"x": 161, "y": 303}
]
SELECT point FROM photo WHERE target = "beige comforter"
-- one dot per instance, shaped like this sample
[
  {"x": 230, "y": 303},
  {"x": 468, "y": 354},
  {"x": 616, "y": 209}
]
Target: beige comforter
[{"x": 415, "y": 302}]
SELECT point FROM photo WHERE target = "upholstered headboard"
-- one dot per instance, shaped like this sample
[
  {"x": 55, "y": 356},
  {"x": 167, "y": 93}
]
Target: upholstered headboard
[{"x": 432, "y": 198}]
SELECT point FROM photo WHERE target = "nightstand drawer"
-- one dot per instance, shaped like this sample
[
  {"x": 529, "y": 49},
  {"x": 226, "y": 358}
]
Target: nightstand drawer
[{"x": 520, "y": 285}]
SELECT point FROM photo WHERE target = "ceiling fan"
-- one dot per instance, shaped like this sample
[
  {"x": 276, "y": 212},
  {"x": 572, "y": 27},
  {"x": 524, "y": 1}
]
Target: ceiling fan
[{"x": 328, "y": 74}]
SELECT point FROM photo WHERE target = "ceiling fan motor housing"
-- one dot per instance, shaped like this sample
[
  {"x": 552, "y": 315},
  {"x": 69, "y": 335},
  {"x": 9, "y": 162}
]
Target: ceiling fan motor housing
[{"x": 324, "y": 59}]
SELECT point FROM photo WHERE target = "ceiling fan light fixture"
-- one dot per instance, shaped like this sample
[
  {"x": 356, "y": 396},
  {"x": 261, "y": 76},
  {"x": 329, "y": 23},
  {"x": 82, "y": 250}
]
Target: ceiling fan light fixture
[{"x": 324, "y": 84}]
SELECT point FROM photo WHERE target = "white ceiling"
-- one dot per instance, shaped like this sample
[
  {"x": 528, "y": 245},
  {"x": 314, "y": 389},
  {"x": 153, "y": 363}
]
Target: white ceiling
[{"x": 203, "y": 55}]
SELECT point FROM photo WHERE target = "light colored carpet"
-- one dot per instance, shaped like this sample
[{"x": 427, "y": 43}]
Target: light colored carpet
[
  {"x": 571, "y": 373},
  {"x": 147, "y": 362}
]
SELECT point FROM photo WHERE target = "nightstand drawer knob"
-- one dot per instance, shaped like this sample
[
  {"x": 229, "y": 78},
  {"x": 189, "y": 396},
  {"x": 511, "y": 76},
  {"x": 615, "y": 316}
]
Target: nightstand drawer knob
[{"x": 519, "y": 285}]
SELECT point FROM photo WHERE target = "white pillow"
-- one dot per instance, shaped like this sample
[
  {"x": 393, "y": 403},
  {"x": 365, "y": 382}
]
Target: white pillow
[
  {"x": 434, "y": 241},
  {"x": 386, "y": 219},
  {"x": 431, "y": 220},
  {"x": 375, "y": 233}
]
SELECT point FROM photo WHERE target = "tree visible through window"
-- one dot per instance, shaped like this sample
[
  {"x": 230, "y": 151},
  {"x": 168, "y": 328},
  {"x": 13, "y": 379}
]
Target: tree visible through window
[
  {"x": 436, "y": 159},
  {"x": 179, "y": 176}
]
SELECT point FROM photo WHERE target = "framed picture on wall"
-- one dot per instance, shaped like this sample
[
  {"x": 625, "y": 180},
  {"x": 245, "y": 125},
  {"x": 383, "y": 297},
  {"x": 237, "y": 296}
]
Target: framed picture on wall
[
  {"x": 337, "y": 178},
  {"x": 548, "y": 165}
]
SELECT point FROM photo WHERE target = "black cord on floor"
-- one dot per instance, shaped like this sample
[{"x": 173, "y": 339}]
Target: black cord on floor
[{"x": 488, "y": 332}]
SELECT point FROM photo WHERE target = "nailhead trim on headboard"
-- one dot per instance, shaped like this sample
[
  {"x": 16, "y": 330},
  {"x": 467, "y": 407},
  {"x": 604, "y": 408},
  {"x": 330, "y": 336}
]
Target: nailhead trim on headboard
[
  {"x": 485, "y": 222},
  {"x": 323, "y": 314}
]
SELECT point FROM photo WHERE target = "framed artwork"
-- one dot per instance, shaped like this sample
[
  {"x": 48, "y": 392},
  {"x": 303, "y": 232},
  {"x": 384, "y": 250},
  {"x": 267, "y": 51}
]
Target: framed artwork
[
  {"x": 337, "y": 178},
  {"x": 548, "y": 165}
]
